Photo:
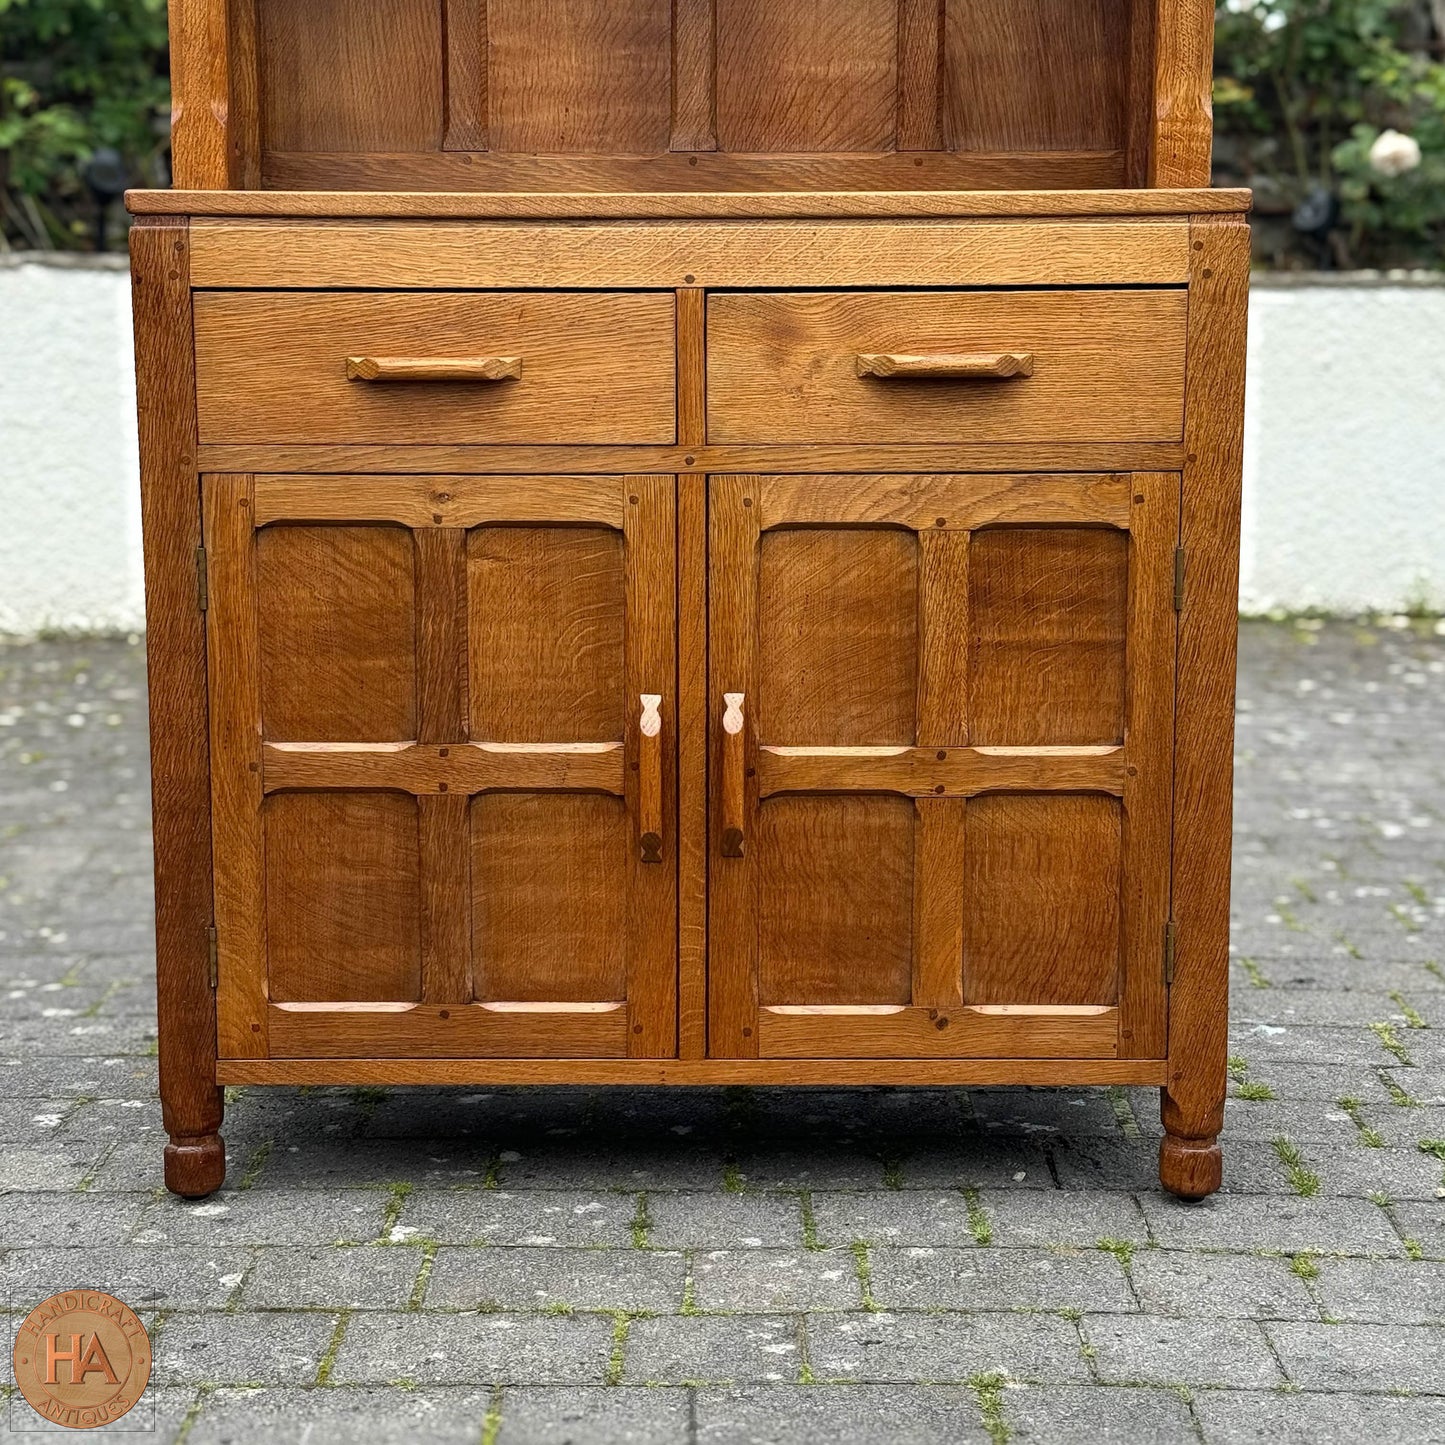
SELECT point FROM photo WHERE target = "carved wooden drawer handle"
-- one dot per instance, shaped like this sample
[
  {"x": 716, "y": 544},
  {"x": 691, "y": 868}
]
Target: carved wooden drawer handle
[
  {"x": 433, "y": 368},
  {"x": 947, "y": 366},
  {"x": 649, "y": 779},
  {"x": 734, "y": 787}
]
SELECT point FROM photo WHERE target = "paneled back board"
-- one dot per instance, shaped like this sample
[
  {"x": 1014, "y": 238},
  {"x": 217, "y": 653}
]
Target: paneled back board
[{"x": 678, "y": 552}]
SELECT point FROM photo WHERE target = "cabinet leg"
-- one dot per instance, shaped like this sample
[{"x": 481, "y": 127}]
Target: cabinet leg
[
  {"x": 195, "y": 1165},
  {"x": 1191, "y": 1164}
]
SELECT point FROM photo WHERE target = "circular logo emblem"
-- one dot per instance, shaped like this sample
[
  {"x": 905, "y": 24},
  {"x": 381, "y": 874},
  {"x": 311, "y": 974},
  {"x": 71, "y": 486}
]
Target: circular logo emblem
[{"x": 82, "y": 1359}]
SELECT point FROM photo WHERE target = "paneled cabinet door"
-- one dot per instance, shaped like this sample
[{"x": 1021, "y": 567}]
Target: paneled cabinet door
[
  {"x": 941, "y": 730},
  {"x": 442, "y": 727}
]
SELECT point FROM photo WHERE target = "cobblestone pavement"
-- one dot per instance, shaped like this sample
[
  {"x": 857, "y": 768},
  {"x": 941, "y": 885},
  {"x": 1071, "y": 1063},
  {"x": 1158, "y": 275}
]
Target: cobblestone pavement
[{"x": 546, "y": 1265}]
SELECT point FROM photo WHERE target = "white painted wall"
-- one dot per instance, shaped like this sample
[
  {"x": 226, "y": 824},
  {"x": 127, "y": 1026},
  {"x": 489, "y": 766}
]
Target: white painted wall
[
  {"x": 1344, "y": 455},
  {"x": 69, "y": 490}
]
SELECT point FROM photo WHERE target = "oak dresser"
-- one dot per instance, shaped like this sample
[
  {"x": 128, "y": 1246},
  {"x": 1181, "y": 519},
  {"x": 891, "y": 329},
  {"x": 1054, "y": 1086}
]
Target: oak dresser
[{"x": 691, "y": 542}]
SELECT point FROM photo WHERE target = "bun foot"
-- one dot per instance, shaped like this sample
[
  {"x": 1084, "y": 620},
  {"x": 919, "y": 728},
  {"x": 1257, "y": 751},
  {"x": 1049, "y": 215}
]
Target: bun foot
[
  {"x": 195, "y": 1167},
  {"x": 1190, "y": 1168}
]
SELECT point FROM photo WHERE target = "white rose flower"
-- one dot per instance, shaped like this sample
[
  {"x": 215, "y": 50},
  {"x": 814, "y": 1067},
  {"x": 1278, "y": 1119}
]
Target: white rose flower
[{"x": 1393, "y": 154}]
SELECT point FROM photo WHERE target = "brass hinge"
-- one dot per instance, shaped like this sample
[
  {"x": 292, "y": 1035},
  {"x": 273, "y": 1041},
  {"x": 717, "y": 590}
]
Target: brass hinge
[
  {"x": 213, "y": 954},
  {"x": 1169, "y": 953},
  {"x": 203, "y": 589},
  {"x": 1179, "y": 579}
]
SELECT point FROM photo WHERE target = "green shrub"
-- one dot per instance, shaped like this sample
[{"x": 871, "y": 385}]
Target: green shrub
[
  {"x": 1305, "y": 88},
  {"x": 76, "y": 75}
]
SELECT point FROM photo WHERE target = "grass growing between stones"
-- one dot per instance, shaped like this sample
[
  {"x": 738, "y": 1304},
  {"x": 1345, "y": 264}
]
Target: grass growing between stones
[
  {"x": 978, "y": 1221},
  {"x": 333, "y": 1348},
  {"x": 1121, "y": 1249},
  {"x": 621, "y": 1324},
  {"x": 1399, "y": 1097},
  {"x": 1370, "y": 1138},
  {"x": 641, "y": 1225},
  {"x": 810, "y": 1222},
  {"x": 864, "y": 1272},
  {"x": 1244, "y": 1087},
  {"x": 1254, "y": 973},
  {"x": 988, "y": 1391},
  {"x": 1303, "y": 1266},
  {"x": 1390, "y": 1042},
  {"x": 1413, "y": 1017},
  {"x": 1303, "y": 1180}
]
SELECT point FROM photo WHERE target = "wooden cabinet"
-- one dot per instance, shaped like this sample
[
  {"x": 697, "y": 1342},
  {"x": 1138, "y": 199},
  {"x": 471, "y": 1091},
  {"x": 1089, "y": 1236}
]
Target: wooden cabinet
[{"x": 691, "y": 542}]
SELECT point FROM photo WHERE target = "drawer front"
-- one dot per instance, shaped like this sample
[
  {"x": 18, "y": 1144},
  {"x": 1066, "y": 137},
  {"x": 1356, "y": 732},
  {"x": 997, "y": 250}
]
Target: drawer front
[
  {"x": 272, "y": 367},
  {"x": 1098, "y": 366}
]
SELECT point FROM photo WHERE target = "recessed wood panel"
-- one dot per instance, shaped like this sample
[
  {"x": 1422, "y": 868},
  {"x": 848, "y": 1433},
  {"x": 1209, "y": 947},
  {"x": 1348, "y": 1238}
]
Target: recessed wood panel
[
  {"x": 337, "y": 621},
  {"x": 836, "y": 907},
  {"x": 1035, "y": 75},
  {"x": 343, "y": 899},
  {"x": 809, "y": 75},
  {"x": 549, "y": 879},
  {"x": 838, "y": 636},
  {"x": 1048, "y": 610},
  {"x": 1042, "y": 879},
  {"x": 351, "y": 75},
  {"x": 579, "y": 76},
  {"x": 547, "y": 607}
]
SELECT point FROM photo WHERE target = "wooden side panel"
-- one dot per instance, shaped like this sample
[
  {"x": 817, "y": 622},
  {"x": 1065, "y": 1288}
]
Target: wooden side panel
[
  {"x": 1047, "y": 617},
  {"x": 810, "y": 75},
  {"x": 343, "y": 915},
  {"x": 1183, "y": 107},
  {"x": 465, "y": 29},
  {"x": 546, "y": 634},
  {"x": 337, "y": 633},
  {"x": 180, "y": 745},
  {"x": 340, "y": 76},
  {"x": 1042, "y": 879},
  {"x": 837, "y": 627},
  {"x": 1030, "y": 75},
  {"x": 549, "y": 912},
  {"x": 579, "y": 76},
  {"x": 836, "y": 906},
  {"x": 201, "y": 135},
  {"x": 693, "y": 50}
]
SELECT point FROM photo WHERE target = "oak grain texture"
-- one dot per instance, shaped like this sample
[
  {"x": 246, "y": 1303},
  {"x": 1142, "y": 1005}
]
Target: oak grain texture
[
  {"x": 179, "y": 734},
  {"x": 1183, "y": 106},
  {"x": 433, "y": 255},
  {"x": 1109, "y": 366},
  {"x": 465, "y": 97},
  {"x": 536, "y": 202},
  {"x": 597, "y": 367},
  {"x": 1193, "y": 1102}
]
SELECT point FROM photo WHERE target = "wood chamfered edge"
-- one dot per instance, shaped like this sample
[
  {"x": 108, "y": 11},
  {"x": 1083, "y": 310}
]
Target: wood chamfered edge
[
  {"x": 602, "y": 205},
  {"x": 813, "y": 1072}
]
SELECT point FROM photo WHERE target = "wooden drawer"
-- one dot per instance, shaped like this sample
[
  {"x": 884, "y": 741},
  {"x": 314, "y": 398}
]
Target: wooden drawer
[
  {"x": 1098, "y": 366},
  {"x": 594, "y": 367}
]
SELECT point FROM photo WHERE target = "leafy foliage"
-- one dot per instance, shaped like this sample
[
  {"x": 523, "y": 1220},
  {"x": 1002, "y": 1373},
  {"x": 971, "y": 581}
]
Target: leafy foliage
[
  {"x": 76, "y": 76},
  {"x": 1304, "y": 89}
]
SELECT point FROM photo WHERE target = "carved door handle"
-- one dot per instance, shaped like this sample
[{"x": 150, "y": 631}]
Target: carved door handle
[
  {"x": 649, "y": 778},
  {"x": 734, "y": 783}
]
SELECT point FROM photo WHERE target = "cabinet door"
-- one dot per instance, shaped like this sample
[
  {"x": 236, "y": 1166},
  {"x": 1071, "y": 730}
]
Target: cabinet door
[
  {"x": 942, "y": 717},
  {"x": 442, "y": 732}
]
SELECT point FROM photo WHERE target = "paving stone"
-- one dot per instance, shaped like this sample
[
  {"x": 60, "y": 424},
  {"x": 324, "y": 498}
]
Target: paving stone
[
  {"x": 844, "y": 1168},
  {"x": 498, "y": 1349},
  {"x": 1362, "y": 1357},
  {"x": 765, "y": 1280},
  {"x": 1040, "y": 1113},
  {"x": 978, "y": 1161},
  {"x": 1132, "y": 1166},
  {"x": 895, "y": 1216},
  {"x": 248, "y": 1216},
  {"x": 1327, "y": 1082},
  {"x": 1306, "y": 1121},
  {"x": 1221, "y": 1286},
  {"x": 727, "y": 1221},
  {"x": 1394, "y": 1292},
  {"x": 1355, "y": 1171},
  {"x": 499, "y": 1216},
  {"x": 377, "y": 1415},
  {"x": 606, "y": 1416},
  {"x": 1246, "y": 1417},
  {"x": 29, "y": 1220},
  {"x": 715, "y": 1349},
  {"x": 550, "y": 1278},
  {"x": 1425, "y": 1224},
  {"x": 1159, "y": 1351},
  {"x": 241, "y": 1349},
  {"x": 333, "y": 1164},
  {"x": 1237, "y": 1222},
  {"x": 368, "y": 1277},
  {"x": 944, "y": 1348},
  {"x": 632, "y": 1169},
  {"x": 989, "y": 1279},
  {"x": 46, "y": 1166},
  {"x": 1093, "y": 1415},
  {"x": 147, "y": 1277},
  {"x": 1028, "y": 1217},
  {"x": 159, "y": 1415},
  {"x": 808, "y": 1415}
]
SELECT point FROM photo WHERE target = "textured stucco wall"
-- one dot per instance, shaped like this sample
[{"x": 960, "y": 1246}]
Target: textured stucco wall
[
  {"x": 1344, "y": 454},
  {"x": 69, "y": 498}
]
